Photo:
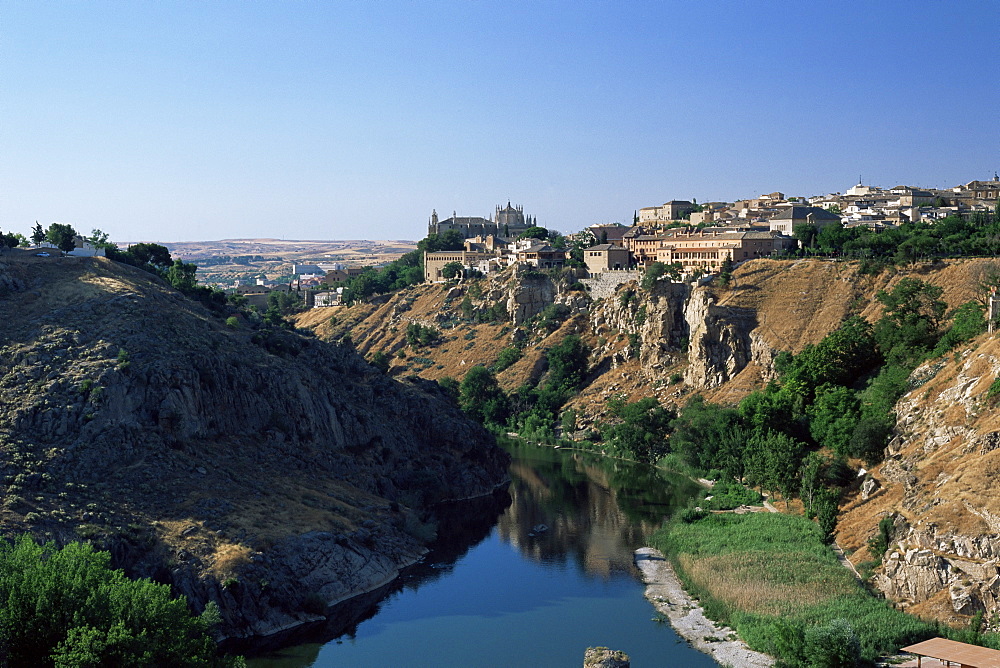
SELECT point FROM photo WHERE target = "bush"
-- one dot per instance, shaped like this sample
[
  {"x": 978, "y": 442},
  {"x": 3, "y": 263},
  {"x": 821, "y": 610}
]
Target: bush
[
  {"x": 727, "y": 495},
  {"x": 506, "y": 358},
  {"x": 232, "y": 322},
  {"x": 66, "y": 607},
  {"x": 832, "y": 645},
  {"x": 380, "y": 360}
]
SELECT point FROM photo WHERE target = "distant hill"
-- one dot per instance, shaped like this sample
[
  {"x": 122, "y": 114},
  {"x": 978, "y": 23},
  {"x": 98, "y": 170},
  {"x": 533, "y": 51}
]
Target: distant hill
[
  {"x": 289, "y": 249},
  {"x": 262, "y": 469}
]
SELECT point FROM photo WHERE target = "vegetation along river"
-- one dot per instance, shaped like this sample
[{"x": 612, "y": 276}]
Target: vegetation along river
[{"x": 534, "y": 582}]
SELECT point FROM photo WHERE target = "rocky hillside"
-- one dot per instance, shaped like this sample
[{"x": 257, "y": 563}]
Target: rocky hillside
[
  {"x": 673, "y": 340},
  {"x": 268, "y": 471}
]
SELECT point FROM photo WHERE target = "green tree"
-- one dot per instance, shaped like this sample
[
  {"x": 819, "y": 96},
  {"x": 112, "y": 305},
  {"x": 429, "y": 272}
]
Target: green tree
[
  {"x": 833, "y": 417},
  {"x": 539, "y": 233},
  {"x": 810, "y": 481},
  {"x": 183, "y": 275},
  {"x": 832, "y": 645},
  {"x": 506, "y": 358},
  {"x": 452, "y": 269},
  {"x": 380, "y": 360},
  {"x": 66, "y": 607},
  {"x": 37, "y": 234},
  {"x": 826, "y": 511},
  {"x": 909, "y": 327},
  {"x": 567, "y": 363},
  {"x": 450, "y": 240},
  {"x": 99, "y": 239},
  {"x": 61, "y": 236},
  {"x": 640, "y": 428},
  {"x": 481, "y": 397},
  {"x": 153, "y": 255},
  {"x": 773, "y": 462},
  {"x": 805, "y": 233}
]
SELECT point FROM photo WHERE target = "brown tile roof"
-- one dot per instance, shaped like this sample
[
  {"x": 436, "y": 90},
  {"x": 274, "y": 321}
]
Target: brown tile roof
[{"x": 957, "y": 652}]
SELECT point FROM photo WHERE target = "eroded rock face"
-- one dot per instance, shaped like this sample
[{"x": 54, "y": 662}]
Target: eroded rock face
[
  {"x": 943, "y": 459},
  {"x": 528, "y": 295},
  {"x": 721, "y": 341},
  {"x": 654, "y": 316}
]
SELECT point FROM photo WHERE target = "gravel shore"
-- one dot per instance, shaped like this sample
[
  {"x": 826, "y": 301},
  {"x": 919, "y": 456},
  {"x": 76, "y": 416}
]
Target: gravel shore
[{"x": 665, "y": 592}]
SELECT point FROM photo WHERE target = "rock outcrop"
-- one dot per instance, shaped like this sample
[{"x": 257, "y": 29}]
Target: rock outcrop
[
  {"x": 721, "y": 341},
  {"x": 265, "y": 470},
  {"x": 937, "y": 478}
]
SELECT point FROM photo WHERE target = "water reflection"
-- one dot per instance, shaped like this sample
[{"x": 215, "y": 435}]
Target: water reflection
[
  {"x": 595, "y": 511},
  {"x": 551, "y": 577}
]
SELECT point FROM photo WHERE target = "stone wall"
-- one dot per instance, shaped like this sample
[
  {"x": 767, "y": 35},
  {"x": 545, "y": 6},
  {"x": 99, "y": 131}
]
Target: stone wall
[{"x": 604, "y": 285}]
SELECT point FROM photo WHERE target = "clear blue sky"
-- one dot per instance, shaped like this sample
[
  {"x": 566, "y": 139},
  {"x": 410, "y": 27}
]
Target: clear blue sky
[{"x": 175, "y": 121}]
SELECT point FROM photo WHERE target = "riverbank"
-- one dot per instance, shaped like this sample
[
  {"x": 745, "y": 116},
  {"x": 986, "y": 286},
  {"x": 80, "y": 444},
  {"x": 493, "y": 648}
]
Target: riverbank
[{"x": 664, "y": 591}]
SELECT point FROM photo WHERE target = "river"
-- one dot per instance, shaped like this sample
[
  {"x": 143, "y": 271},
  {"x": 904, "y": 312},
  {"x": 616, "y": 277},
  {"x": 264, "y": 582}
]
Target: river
[{"x": 536, "y": 586}]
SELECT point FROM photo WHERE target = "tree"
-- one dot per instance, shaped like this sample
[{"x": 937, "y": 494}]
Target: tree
[
  {"x": 450, "y": 240},
  {"x": 37, "y": 234},
  {"x": 833, "y": 417},
  {"x": 826, "y": 511},
  {"x": 539, "y": 233},
  {"x": 833, "y": 645},
  {"x": 567, "y": 363},
  {"x": 452, "y": 269},
  {"x": 182, "y": 275},
  {"x": 380, "y": 360},
  {"x": 641, "y": 428},
  {"x": 154, "y": 255},
  {"x": 805, "y": 233},
  {"x": 61, "y": 236},
  {"x": 481, "y": 398},
  {"x": 99, "y": 239},
  {"x": 66, "y": 607},
  {"x": 908, "y": 329}
]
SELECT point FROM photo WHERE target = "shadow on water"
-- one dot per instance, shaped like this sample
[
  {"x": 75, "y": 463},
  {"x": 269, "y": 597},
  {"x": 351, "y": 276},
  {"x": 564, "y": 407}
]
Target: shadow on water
[
  {"x": 555, "y": 572},
  {"x": 463, "y": 525}
]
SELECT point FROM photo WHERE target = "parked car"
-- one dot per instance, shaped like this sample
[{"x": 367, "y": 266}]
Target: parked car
[{"x": 41, "y": 254}]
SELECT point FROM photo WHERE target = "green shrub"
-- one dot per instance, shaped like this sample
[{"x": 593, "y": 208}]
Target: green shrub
[
  {"x": 67, "y": 607},
  {"x": 232, "y": 322},
  {"x": 507, "y": 357}
]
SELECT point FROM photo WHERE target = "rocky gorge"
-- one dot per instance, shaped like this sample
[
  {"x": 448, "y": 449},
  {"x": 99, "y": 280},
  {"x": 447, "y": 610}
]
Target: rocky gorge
[{"x": 673, "y": 340}]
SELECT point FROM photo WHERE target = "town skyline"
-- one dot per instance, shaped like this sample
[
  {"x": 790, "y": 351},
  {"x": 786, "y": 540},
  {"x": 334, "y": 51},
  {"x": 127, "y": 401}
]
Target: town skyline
[{"x": 177, "y": 122}]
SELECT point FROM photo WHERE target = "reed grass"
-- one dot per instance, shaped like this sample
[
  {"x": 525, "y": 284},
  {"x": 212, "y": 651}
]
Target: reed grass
[{"x": 761, "y": 571}]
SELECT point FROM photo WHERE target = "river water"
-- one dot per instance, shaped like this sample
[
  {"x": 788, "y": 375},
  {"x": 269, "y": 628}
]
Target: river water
[{"x": 536, "y": 586}]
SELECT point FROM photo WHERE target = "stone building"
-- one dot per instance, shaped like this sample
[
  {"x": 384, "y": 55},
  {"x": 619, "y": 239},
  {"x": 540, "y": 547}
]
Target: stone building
[
  {"x": 542, "y": 256},
  {"x": 706, "y": 250},
  {"x": 434, "y": 262},
  {"x": 606, "y": 257},
  {"x": 785, "y": 221},
  {"x": 508, "y": 221},
  {"x": 981, "y": 189},
  {"x": 672, "y": 210}
]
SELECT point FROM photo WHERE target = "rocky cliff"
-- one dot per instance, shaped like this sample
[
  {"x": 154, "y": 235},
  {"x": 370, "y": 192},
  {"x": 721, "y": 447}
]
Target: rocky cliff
[
  {"x": 938, "y": 484},
  {"x": 266, "y": 470}
]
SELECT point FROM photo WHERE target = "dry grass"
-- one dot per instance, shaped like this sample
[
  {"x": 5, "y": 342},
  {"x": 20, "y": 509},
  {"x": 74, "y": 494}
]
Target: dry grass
[
  {"x": 229, "y": 557},
  {"x": 774, "y": 584}
]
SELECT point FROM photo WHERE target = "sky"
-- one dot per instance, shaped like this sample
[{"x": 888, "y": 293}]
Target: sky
[{"x": 189, "y": 121}]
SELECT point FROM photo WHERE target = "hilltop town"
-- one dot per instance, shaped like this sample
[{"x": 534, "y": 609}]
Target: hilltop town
[{"x": 692, "y": 239}]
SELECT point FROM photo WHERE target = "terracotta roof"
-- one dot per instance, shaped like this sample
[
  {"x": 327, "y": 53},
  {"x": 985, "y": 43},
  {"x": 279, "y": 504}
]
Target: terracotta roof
[{"x": 957, "y": 652}]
